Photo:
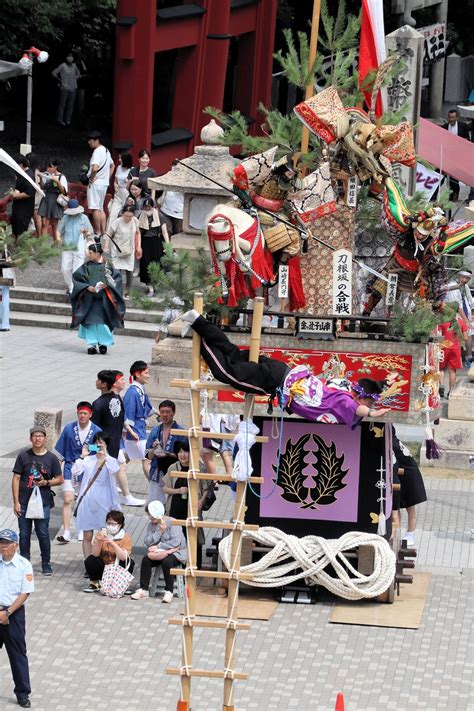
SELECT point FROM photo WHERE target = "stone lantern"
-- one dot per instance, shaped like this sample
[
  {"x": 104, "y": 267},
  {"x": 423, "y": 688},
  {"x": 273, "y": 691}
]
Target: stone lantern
[{"x": 200, "y": 195}]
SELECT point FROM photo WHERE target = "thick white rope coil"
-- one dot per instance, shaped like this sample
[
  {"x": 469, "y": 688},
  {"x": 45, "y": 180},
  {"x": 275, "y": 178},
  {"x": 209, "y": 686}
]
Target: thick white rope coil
[{"x": 312, "y": 554}]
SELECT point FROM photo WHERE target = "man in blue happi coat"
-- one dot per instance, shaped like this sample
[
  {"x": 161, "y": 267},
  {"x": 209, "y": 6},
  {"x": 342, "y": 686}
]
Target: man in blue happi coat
[
  {"x": 160, "y": 449},
  {"x": 69, "y": 447},
  {"x": 137, "y": 409}
]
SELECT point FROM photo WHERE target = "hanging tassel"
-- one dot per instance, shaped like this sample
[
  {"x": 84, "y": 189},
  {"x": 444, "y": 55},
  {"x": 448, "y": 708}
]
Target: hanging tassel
[
  {"x": 297, "y": 297},
  {"x": 432, "y": 449}
]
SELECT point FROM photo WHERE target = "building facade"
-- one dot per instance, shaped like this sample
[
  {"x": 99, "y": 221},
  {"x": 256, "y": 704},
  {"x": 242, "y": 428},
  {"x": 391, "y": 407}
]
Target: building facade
[{"x": 175, "y": 58}]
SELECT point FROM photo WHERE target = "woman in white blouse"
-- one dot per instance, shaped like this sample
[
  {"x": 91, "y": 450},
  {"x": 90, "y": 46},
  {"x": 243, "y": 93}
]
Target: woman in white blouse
[{"x": 97, "y": 473}]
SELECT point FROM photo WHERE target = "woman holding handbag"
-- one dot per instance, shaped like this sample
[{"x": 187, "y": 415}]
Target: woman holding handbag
[
  {"x": 52, "y": 206},
  {"x": 97, "y": 473},
  {"x": 108, "y": 545},
  {"x": 125, "y": 245}
]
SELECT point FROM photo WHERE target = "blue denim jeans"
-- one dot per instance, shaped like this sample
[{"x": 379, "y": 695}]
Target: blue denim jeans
[{"x": 42, "y": 531}]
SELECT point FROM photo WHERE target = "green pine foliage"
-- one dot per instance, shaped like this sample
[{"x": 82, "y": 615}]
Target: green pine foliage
[
  {"x": 417, "y": 324},
  {"x": 180, "y": 275},
  {"x": 27, "y": 247}
]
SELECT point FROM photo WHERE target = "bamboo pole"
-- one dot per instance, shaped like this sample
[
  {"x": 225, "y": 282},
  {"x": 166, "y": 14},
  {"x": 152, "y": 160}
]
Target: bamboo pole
[
  {"x": 192, "y": 532},
  {"x": 312, "y": 56},
  {"x": 236, "y": 544}
]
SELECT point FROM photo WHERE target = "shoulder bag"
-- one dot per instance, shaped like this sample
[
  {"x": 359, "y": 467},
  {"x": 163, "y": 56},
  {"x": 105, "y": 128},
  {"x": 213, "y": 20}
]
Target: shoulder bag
[{"x": 99, "y": 469}]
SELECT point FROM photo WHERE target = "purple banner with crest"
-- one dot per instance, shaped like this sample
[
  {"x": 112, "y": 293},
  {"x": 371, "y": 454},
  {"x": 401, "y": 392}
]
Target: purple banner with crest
[{"x": 318, "y": 472}]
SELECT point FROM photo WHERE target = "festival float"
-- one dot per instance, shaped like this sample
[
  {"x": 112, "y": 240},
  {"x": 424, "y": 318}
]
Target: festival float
[{"x": 313, "y": 492}]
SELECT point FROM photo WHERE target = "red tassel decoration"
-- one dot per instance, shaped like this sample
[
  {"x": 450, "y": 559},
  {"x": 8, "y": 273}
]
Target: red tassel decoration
[{"x": 297, "y": 297}]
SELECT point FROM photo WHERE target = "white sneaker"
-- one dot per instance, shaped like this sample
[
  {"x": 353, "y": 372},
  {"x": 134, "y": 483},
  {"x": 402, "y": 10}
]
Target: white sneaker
[
  {"x": 167, "y": 597},
  {"x": 132, "y": 501},
  {"x": 409, "y": 537},
  {"x": 140, "y": 594}
]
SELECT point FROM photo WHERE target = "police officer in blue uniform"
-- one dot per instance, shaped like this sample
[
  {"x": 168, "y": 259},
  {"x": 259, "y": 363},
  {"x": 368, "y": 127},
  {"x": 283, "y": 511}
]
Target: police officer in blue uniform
[{"x": 16, "y": 584}]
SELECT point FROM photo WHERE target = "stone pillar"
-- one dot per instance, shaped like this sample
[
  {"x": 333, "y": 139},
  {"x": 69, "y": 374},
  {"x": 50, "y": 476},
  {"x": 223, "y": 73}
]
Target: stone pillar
[
  {"x": 437, "y": 70},
  {"x": 51, "y": 419},
  {"x": 406, "y": 89}
]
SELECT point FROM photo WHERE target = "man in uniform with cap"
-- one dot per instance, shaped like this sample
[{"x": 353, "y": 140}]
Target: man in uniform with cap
[
  {"x": 74, "y": 229},
  {"x": 16, "y": 584},
  {"x": 39, "y": 467}
]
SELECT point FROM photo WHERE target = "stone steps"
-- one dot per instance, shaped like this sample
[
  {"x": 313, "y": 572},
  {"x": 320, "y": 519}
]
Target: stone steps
[
  {"x": 132, "y": 328},
  {"x": 454, "y": 433},
  {"x": 50, "y": 308}
]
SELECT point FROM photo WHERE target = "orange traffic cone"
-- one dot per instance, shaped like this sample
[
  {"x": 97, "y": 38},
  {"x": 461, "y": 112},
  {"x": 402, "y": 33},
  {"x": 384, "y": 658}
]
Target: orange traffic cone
[{"x": 339, "y": 702}]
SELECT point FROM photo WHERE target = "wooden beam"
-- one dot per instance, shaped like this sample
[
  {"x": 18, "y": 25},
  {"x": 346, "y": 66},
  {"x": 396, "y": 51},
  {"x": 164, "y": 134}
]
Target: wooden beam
[
  {"x": 239, "y": 508},
  {"x": 222, "y": 574},
  {"x": 215, "y": 435},
  {"x": 217, "y": 477},
  {"x": 226, "y": 525},
  {"x": 313, "y": 45},
  {"x": 202, "y": 672},
  {"x": 201, "y": 385},
  {"x": 215, "y": 624}
]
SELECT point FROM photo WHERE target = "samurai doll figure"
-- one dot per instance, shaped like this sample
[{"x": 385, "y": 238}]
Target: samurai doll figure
[{"x": 417, "y": 256}]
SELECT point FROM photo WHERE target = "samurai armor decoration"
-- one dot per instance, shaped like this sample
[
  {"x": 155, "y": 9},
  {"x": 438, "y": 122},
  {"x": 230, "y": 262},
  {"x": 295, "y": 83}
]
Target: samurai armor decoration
[
  {"x": 320, "y": 113},
  {"x": 277, "y": 237},
  {"x": 336, "y": 229},
  {"x": 316, "y": 197}
]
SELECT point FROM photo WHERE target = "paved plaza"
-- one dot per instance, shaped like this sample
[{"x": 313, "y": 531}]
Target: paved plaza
[{"x": 89, "y": 652}]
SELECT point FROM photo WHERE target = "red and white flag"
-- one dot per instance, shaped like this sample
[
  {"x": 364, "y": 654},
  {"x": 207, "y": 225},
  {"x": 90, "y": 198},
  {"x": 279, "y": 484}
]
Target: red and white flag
[{"x": 372, "y": 50}]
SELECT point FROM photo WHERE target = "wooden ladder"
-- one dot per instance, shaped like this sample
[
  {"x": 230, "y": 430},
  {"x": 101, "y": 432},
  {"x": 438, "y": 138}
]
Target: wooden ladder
[{"x": 237, "y": 525}]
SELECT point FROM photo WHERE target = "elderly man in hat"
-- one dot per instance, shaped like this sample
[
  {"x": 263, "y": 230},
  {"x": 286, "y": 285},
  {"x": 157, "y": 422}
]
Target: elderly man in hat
[
  {"x": 74, "y": 229},
  {"x": 35, "y": 467},
  {"x": 16, "y": 584}
]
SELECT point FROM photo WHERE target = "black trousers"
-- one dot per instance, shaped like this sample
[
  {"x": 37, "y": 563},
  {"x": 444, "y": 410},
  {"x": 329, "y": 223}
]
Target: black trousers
[
  {"x": 167, "y": 563},
  {"x": 13, "y": 637},
  {"x": 230, "y": 365},
  {"x": 95, "y": 567}
]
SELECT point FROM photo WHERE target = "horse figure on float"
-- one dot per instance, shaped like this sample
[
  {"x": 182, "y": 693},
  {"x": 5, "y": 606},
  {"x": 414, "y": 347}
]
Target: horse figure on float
[
  {"x": 248, "y": 244},
  {"x": 238, "y": 253}
]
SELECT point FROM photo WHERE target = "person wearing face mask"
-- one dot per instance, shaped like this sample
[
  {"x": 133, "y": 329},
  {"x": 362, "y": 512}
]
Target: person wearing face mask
[
  {"x": 67, "y": 75},
  {"x": 125, "y": 245},
  {"x": 154, "y": 233},
  {"x": 108, "y": 544},
  {"x": 166, "y": 546},
  {"x": 97, "y": 472}
]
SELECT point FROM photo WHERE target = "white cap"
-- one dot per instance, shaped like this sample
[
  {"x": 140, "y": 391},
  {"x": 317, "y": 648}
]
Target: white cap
[{"x": 156, "y": 509}]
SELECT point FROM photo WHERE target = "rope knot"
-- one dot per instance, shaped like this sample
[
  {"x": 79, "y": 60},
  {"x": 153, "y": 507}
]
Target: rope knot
[
  {"x": 228, "y": 673},
  {"x": 231, "y": 625},
  {"x": 192, "y": 472},
  {"x": 234, "y": 574},
  {"x": 238, "y": 525},
  {"x": 191, "y": 521},
  {"x": 186, "y": 670},
  {"x": 187, "y": 620}
]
